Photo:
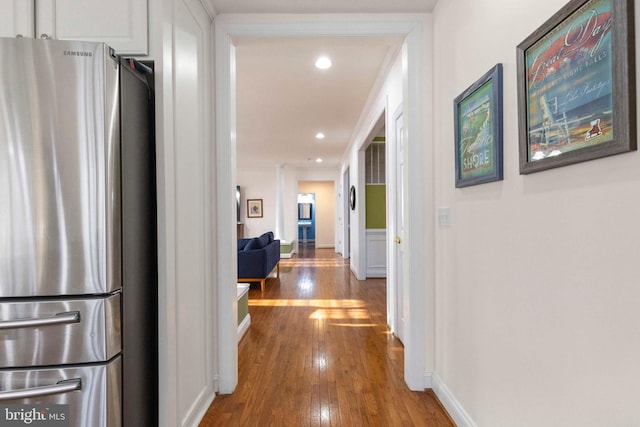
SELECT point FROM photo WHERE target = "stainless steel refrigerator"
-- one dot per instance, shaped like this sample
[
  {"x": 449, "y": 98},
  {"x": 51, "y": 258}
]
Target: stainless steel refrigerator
[{"x": 78, "y": 257}]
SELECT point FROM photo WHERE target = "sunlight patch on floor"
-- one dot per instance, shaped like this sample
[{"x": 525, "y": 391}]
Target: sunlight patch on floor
[
  {"x": 356, "y": 325},
  {"x": 312, "y": 263},
  {"x": 319, "y": 303},
  {"x": 339, "y": 313}
]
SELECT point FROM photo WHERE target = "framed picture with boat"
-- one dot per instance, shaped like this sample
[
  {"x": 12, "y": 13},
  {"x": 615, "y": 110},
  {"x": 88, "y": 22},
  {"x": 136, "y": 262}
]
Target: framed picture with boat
[
  {"x": 478, "y": 130},
  {"x": 576, "y": 86}
]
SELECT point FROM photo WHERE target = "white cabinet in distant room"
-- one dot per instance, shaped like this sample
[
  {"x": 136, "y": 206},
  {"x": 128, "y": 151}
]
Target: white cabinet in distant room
[{"x": 122, "y": 24}]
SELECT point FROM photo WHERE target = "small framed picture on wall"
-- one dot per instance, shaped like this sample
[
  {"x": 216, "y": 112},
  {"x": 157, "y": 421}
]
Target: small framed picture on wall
[
  {"x": 254, "y": 208},
  {"x": 478, "y": 130}
]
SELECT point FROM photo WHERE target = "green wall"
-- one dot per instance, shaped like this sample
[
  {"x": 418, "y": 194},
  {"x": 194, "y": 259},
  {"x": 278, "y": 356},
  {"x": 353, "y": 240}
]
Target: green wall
[{"x": 376, "y": 206}]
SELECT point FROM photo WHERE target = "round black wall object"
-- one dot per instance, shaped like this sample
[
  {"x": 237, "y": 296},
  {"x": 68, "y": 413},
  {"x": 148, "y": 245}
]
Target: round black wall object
[{"x": 352, "y": 197}]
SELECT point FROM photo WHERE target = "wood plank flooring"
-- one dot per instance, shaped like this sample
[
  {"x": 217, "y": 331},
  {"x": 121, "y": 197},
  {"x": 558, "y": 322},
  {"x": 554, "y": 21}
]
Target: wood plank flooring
[{"x": 318, "y": 353}]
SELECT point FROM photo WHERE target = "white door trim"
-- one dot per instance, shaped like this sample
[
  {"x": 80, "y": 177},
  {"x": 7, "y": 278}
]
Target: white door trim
[
  {"x": 395, "y": 308},
  {"x": 419, "y": 335},
  {"x": 225, "y": 167},
  {"x": 346, "y": 220}
]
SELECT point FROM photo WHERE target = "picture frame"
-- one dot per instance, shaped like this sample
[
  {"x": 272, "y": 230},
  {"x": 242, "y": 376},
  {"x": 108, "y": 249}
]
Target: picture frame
[
  {"x": 576, "y": 86},
  {"x": 478, "y": 131},
  {"x": 254, "y": 208}
]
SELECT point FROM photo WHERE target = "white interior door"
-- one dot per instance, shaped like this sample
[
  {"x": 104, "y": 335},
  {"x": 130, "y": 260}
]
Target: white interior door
[{"x": 399, "y": 224}]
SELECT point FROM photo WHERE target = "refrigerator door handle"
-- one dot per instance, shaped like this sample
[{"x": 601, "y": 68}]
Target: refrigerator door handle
[
  {"x": 56, "y": 319},
  {"x": 64, "y": 386}
]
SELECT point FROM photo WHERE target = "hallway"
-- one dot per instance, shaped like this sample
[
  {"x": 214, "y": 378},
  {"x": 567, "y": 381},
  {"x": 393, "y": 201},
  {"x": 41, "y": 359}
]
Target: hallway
[{"x": 318, "y": 353}]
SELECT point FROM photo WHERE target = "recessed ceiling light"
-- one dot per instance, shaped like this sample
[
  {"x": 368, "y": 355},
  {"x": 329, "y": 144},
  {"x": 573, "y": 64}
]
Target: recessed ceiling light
[
  {"x": 319, "y": 135},
  {"x": 318, "y": 160},
  {"x": 323, "y": 63}
]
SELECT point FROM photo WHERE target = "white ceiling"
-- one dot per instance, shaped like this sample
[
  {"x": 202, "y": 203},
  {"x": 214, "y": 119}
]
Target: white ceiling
[
  {"x": 283, "y": 100},
  {"x": 322, "y": 6}
]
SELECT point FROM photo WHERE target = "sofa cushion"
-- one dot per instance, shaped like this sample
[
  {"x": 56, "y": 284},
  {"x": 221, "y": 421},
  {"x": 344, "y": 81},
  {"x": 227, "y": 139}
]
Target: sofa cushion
[
  {"x": 254, "y": 243},
  {"x": 242, "y": 243},
  {"x": 264, "y": 240}
]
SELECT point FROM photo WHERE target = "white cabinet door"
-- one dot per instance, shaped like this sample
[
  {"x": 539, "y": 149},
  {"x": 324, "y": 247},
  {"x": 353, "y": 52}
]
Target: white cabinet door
[
  {"x": 122, "y": 24},
  {"x": 16, "y": 18}
]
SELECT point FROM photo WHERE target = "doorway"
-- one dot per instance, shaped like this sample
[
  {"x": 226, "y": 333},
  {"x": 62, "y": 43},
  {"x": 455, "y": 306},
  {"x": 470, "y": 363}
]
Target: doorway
[
  {"x": 375, "y": 195},
  {"x": 418, "y": 266},
  {"x": 316, "y": 201},
  {"x": 306, "y": 217}
]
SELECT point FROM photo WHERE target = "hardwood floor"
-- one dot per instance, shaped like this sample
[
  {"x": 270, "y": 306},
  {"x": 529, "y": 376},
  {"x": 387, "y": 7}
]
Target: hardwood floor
[{"x": 318, "y": 353}]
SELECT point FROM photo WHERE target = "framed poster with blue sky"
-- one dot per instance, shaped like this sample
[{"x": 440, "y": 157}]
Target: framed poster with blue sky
[
  {"x": 478, "y": 130},
  {"x": 576, "y": 86}
]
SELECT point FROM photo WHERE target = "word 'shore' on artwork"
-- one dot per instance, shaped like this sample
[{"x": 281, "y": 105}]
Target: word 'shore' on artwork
[{"x": 478, "y": 130}]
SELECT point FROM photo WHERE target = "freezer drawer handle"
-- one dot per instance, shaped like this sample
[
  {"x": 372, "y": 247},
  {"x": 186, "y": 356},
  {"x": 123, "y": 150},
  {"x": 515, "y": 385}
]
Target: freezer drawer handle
[
  {"x": 64, "y": 386},
  {"x": 56, "y": 319}
]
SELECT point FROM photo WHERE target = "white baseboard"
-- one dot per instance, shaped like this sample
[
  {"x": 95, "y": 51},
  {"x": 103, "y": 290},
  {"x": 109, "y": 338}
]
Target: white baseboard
[
  {"x": 451, "y": 404},
  {"x": 428, "y": 380},
  {"x": 324, "y": 246},
  {"x": 199, "y": 408},
  {"x": 216, "y": 383},
  {"x": 243, "y": 327},
  {"x": 287, "y": 255},
  {"x": 376, "y": 272}
]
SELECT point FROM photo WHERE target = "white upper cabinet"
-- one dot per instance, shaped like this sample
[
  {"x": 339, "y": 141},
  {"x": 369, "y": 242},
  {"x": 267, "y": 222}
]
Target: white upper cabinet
[
  {"x": 122, "y": 24},
  {"x": 16, "y": 18}
]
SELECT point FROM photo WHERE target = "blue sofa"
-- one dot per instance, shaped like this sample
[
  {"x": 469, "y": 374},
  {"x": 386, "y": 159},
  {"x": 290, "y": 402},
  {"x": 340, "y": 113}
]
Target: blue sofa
[{"x": 257, "y": 257}]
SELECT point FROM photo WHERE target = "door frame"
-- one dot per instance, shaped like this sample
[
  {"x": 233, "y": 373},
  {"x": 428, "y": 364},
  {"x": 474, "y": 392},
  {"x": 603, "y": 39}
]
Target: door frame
[
  {"x": 346, "y": 216},
  {"x": 395, "y": 302},
  {"x": 419, "y": 266}
]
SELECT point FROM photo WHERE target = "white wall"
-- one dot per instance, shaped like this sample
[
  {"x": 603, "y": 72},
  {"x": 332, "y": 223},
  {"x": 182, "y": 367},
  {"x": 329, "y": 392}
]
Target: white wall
[
  {"x": 537, "y": 283},
  {"x": 258, "y": 184},
  {"x": 262, "y": 184}
]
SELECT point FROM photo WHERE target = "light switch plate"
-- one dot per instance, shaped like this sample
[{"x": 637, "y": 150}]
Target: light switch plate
[{"x": 444, "y": 217}]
